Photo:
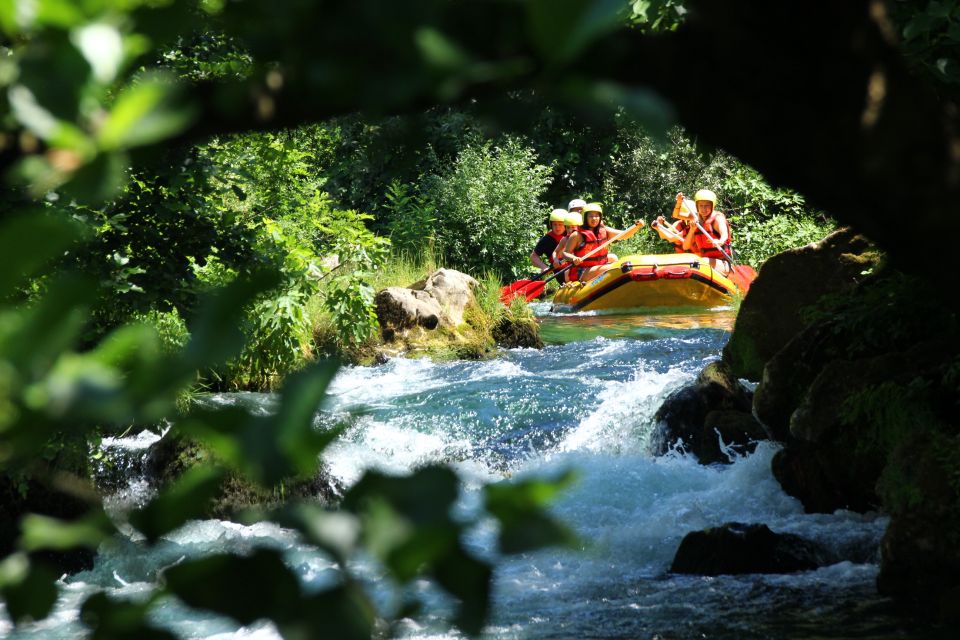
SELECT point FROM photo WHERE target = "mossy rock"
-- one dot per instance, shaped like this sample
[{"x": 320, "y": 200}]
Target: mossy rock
[
  {"x": 511, "y": 332},
  {"x": 771, "y": 313},
  {"x": 174, "y": 454}
]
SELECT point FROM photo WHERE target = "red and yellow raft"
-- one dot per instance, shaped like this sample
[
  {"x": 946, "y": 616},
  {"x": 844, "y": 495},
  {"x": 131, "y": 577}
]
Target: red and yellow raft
[{"x": 637, "y": 281}]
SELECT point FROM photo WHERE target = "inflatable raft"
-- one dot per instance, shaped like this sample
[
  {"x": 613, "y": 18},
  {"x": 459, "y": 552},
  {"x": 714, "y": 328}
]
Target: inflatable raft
[{"x": 669, "y": 280}]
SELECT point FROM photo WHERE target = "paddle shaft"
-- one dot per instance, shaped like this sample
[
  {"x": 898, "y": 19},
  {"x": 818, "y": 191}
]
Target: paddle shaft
[{"x": 637, "y": 224}]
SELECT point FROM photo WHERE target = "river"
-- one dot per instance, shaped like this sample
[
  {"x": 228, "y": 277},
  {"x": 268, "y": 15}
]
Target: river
[{"x": 584, "y": 402}]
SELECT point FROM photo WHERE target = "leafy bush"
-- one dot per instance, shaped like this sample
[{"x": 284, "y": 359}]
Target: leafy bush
[
  {"x": 170, "y": 328},
  {"x": 412, "y": 220},
  {"x": 489, "y": 213}
]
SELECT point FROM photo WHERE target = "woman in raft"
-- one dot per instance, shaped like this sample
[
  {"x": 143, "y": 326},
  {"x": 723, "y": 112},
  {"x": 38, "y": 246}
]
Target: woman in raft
[{"x": 591, "y": 235}]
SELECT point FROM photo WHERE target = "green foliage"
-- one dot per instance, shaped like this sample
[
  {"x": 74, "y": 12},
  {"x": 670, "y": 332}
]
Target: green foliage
[
  {"x": 657, "y": 16},
  {"x": 930, "y": 37},
  {"x": 128, "y": 377},
  {"x": 489, "y": 212},
  {"x": 757, "y": 240},
  {"x": 171, "y": 329},
  {"x": 350, "y": 300},
  {"x": 412, "y": 220}
]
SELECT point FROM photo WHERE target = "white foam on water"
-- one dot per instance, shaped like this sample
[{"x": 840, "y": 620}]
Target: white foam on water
[
  {"x": 623, "y": 417},
  {"x": 381, "y": 385},
  {"x": 141, "y": 440}
]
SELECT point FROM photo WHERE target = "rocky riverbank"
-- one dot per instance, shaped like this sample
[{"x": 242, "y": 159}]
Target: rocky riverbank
[{"x": 858, "y": 372}]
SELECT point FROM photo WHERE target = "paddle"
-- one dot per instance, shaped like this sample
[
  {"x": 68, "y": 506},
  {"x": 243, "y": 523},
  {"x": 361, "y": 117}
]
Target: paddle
[
  {"x": 537, "y": 285},
  {"x": 507, "y": 291},
  {"x": 740, "y": 275}
]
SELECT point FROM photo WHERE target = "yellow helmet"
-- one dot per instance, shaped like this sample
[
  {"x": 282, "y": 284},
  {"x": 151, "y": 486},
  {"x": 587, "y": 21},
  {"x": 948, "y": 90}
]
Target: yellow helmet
[
  {"x": 574, "y": 219},
  {"x": 705, "y": 194},
  {"x": 558, "y": 215},
  {"x": 593, "y": 206}
]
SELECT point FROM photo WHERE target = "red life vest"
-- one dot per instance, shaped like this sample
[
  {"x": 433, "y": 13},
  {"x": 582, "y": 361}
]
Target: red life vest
[
  {"x": 704, "y": 246},
  {"x": 682, "y": 230},
  {"x": 590, "y": 242}
]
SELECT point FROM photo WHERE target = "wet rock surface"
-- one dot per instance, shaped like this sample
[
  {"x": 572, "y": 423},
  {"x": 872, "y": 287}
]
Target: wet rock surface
[
  {"x": 737, "y": 548},
  {"x": 710, "y": 418}
]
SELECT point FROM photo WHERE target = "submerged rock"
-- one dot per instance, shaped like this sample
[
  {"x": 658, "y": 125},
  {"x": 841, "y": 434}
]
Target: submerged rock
[
  {"x": 174, "y": 454},
  {"x": 737, "y": 548},
  {"x": 709, "y": 417}
]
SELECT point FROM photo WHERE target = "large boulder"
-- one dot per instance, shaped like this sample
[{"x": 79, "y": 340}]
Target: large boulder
[
  {"x": 452, "y": 290},
  {"x": 772, "y": 313},
  {"x": 439, "y": 300},
  {"x": 714, "y": 409},
  {"x": 737, "y": 548},
  {"x": 399, "y": 309},
  {"x": 920, "y": 551},
  {"x": 846, "y": 426}
]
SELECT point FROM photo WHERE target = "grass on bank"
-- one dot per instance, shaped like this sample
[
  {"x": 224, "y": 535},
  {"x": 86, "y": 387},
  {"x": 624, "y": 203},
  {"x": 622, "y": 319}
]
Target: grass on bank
[{"x": 474, "y": 339}]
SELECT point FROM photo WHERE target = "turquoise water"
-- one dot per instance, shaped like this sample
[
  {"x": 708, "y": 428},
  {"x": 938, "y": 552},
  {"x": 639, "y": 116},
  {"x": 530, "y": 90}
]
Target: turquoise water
[{"x": 584, "y": 402}]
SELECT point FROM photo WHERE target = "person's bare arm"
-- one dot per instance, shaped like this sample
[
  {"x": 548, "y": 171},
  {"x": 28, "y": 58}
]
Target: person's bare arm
[{"x": 537, "y": 262}]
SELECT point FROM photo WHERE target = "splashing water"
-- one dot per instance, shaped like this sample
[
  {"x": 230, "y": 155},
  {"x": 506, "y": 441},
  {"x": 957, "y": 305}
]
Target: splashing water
[{"x": 585, "y": 402}]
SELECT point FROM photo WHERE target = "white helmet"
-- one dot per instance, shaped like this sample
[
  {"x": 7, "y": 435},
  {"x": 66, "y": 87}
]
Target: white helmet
[
  {"x": 558, "y": 215},
  {"x": 577, "y": 203}
]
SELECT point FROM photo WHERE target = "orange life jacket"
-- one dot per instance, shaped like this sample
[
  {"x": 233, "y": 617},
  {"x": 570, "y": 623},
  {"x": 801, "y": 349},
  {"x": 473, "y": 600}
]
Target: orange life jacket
[
  {"x": 590, "y": 242},
  {"x": 704, "y": 246}
]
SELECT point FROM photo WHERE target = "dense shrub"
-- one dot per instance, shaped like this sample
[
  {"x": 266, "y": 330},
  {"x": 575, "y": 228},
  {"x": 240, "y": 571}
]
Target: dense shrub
[{"x": 489, "y": 209}]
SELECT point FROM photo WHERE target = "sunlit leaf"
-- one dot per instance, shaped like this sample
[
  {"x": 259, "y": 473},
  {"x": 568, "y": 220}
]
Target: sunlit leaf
[
  {"x": 44, "y": 532},
  {"x": 524, "y": 525},
  {"x": 439, "y": 51},
  {"x": 60, "y": 13},
  {"x": 145, "y": 113},
  {"x": 102, "y": 46}
]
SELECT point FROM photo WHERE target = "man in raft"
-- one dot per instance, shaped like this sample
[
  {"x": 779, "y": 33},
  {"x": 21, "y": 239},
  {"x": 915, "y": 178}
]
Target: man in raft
[
  {"x": 543, "y": 251},
  {"x": 708, "y": 233},
  {"x": 591, "y": 235}
]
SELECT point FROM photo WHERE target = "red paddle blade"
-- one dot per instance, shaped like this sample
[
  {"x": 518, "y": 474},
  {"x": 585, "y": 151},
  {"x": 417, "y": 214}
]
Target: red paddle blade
[
  {"x": 518, "y": 288},
  {"x": 534, "y": 290},
  {"x": 743, "y": 276}
]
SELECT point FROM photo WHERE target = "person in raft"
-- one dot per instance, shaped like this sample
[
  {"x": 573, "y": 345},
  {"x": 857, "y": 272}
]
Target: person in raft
[
  {"x": 573, "y": 222},
  {"x": 674, "y": 232},
  {"x": 591, "y": 235},
  {"x": 576, "y": 206},
  {"x": 708, "y": 234},
  {"x": 543, "y": 251}
]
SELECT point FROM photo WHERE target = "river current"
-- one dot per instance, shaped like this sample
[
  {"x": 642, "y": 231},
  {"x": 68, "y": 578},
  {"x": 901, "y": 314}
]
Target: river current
[{"x": 586, "y": 402}]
